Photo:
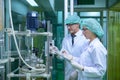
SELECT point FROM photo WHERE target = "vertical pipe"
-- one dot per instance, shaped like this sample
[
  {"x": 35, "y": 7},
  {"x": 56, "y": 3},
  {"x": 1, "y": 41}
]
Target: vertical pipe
[
  {"x": 7, "y": 23},
  {"x": 66, "y": 12},
  {"x": 32, "y": 43},
  {"x": 107, "y": 19},
  {"x": 19, "y": 39},
  {"x": 65, "y": 8},
  {"x": 47, "y": 57},
  {"x": 7, "y": 38},
  {"x": 71, "y": 7},
  {"x": 49, "y": 39},
  {"x": 65, "y": 16}
]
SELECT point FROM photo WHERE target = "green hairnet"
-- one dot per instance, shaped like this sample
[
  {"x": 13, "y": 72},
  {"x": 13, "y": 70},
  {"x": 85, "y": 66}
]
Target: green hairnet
[
  {"x": 93, "y": 26},
  {"x": 72, "y": 19}
]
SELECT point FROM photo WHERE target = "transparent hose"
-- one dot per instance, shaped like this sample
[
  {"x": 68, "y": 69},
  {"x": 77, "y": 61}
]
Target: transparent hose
[{"x": 14, "y": 37}]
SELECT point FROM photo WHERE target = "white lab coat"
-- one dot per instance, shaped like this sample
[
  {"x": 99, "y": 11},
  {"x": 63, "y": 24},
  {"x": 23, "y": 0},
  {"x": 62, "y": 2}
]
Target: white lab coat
[
  {"x": 79, "y": 43},
  {"x": 94, "y": 60}
]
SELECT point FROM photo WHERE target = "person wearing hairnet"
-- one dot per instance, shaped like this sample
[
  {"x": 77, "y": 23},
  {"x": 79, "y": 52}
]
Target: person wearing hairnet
[
  {"x": 73, "y": 47},
  {"x": 91, "y": 64}
]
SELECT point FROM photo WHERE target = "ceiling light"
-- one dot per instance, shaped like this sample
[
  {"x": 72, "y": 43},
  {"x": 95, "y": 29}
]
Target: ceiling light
[{"x": 32, "y": 2}]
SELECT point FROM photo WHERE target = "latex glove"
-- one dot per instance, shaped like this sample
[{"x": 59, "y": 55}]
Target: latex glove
[
  {"x": 77, "y": 65},
  {"x": 53, "y": 50},
  {"x": 74, "y": 75},
  {"x": 66, "y": 55}
]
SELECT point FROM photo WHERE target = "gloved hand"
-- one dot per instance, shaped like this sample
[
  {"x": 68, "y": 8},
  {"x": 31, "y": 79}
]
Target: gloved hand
[
  {"x": 74, "y": 75},
  {"x": 53, "y": 49},
  {"x": 66, "y": 55},
  {"x": 77, "y": 65}
]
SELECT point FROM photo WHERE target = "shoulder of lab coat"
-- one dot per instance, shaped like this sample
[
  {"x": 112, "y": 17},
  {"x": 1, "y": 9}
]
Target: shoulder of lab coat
[{"x": 99, "y": 56}]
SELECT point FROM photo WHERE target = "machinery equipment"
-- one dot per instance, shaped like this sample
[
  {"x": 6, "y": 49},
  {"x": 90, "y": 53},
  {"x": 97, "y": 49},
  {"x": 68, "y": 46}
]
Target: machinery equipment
[{"x": 31, "y": 64}]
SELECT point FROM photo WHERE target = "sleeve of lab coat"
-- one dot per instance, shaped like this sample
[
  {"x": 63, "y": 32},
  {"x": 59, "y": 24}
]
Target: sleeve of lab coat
[
  {"x": 63, "y": 47},
  {"x": 99, "y": 59}
]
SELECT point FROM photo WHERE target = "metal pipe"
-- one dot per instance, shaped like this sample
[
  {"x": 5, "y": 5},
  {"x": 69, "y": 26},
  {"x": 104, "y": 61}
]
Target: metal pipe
[
  {"x": 22, "y": 33},
  {"x": 65, "y": 16},
  {"x": 71, "y": 7},
  {"x": 15, "y": 70},
  {"x": 49, "y": 39},
  {"x": 44, "y": 75}
]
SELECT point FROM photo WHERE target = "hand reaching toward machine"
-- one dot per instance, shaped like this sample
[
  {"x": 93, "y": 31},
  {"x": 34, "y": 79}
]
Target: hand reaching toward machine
[
  {"x": 69, "y": 57},
  {"x": 53, "y": 49},
  {"x": 66, "y": 55},
  {"x": 63, "y": 53}
]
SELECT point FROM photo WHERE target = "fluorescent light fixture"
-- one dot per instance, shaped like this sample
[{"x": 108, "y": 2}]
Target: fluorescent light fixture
[{"x": 32, "y": 2}]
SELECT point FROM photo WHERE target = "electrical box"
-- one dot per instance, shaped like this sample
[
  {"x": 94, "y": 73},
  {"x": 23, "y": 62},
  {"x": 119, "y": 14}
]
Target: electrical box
[{"x": 32, "y": 21}]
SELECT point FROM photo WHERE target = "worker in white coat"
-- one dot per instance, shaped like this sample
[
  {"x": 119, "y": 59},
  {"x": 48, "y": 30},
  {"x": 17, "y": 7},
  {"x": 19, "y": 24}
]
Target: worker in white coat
[
  {"x": 91, "y": 64},
  {"x": 74, "y": 47}
]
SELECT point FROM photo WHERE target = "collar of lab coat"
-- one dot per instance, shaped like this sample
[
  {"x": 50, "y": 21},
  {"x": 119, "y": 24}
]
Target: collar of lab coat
[
  {"x": 92, "y": 42},
  {"x": 79, "y": 33}
]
